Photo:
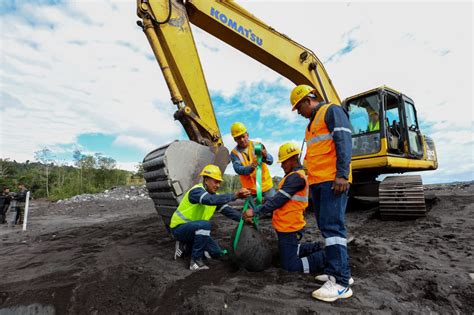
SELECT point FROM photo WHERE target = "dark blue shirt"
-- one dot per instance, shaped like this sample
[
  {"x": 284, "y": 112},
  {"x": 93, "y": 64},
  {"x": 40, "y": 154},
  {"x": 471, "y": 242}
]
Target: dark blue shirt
[
  {"x": 291, "y": 186},
  {"x": 200, "y": 195},
  {"x": 337, "y": 120}
]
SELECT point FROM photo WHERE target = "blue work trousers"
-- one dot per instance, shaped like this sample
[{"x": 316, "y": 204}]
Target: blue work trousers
[
  {"x": 197, "y": 235},
  {"x": 296, "y": 256},
  {"x": 330, "y": 210}
]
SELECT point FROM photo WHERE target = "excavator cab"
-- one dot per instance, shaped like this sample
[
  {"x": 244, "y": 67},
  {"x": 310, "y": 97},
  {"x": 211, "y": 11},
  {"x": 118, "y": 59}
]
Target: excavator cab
[{"x": 386, "y": 138}]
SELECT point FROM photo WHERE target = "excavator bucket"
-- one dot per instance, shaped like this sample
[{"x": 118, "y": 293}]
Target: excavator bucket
[{"x": 171, "y": 170}]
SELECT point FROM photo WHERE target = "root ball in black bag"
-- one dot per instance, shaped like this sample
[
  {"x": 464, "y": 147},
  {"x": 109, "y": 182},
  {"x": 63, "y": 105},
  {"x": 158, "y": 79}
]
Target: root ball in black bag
[{"x": 253, "y": 251}]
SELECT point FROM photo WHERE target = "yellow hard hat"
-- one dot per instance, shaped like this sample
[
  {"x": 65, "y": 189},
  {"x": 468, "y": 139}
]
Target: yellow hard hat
[
  {"x": 298, "y": 93},
  {"x": 237, "y": 129},
  {"x": 287, "y": 150},
  {"x": 212, "y": 171}
]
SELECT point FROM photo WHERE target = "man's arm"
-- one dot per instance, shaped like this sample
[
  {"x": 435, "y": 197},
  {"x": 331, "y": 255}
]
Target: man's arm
[
  {"x": 292, "y": 185},
  {"x": 337, "y": 121},
  {"x": 229, "y": 212},
  {"x": 238, "y": 167},
  {"x": 268, "y": 159},
  {"x": 200, "y": 195}
]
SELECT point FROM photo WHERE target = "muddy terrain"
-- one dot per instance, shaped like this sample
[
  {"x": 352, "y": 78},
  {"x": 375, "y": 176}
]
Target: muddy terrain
[{"x": 114, "y": 256}]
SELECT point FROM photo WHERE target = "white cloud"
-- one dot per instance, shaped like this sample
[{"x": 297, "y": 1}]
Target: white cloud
[
  {"x": 92, "y": 72},
  {"x": 129, "y": 166},
  {"x": 136, "y": 142}
]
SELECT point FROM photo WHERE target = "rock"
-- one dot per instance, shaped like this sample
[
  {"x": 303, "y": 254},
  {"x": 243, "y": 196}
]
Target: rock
[{"x": 472, "y": 276}]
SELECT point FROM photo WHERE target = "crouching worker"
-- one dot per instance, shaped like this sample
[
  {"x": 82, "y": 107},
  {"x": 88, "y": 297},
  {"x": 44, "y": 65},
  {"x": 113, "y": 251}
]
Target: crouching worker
[
  {"x": 190, "y": 222},
  {"x": 288, "y": 206}
]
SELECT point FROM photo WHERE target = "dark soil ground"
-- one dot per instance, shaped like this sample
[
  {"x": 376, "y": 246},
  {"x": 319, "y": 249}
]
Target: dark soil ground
[{"x": 115, "y": 257}]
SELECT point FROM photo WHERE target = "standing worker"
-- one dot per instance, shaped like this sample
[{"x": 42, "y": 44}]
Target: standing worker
[
  {"x": 288, "y": 206},
  {"x": 328, "y": 161},
  {"x": 5, "y": 199},
  {"x": 244, "y": 162},
  {"x": 20, "y": 198},
  {"x": 190, "y": 222}
]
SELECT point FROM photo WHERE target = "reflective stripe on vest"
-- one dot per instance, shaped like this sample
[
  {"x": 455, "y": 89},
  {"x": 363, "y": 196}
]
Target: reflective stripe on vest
[
  {"x": 188, "y": 211},
  {"x": 249, "y": 181},
  {"x": 321, "y": 155},
  {"x": 290, "y": 216},
  {"x": 294, "y": 197}
]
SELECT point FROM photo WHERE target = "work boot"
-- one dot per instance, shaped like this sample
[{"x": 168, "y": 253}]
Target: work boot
[
  {"x": 197, "y": 264},
  {"x": 324, "y": 278},
  {"x": 179, "y": 250},
  {"x": 331, "y": 291}
]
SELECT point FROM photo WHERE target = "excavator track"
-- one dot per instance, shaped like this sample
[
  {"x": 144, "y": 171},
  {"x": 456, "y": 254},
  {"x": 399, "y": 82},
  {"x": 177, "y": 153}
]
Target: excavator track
[
  {"x": 171, "y": 170},
  {"x": 402, "y": 197}
]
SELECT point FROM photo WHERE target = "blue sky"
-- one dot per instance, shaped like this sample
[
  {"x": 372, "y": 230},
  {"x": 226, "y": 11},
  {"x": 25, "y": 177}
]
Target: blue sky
[{"x": 81, "y": 75}]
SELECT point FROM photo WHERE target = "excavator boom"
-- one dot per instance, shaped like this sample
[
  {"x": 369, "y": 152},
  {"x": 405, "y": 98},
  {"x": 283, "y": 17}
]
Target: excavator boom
[{"x": 167, "y": 26}]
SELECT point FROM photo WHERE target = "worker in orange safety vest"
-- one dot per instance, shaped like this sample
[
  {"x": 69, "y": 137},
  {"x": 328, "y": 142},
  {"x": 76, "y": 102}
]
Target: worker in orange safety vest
[
  {"x": 328, "y": 161},
  {"x": 288, "y": 207},
  {"x": 244, "y": 161}
]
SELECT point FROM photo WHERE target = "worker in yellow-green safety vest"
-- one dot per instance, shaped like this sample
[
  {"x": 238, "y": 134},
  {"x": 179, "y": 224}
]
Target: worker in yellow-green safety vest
[
  {"x": 190, "y": 222},
  {"x": 374, "y": 124},
  {"x": 244, "y": 161}
]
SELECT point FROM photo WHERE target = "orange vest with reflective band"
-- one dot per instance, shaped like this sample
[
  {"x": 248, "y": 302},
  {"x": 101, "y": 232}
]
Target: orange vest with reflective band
[
  {"x": 321, "y": 151},
  {"x": 249, "y": 181},
  {"x": 290, "y": 217}
]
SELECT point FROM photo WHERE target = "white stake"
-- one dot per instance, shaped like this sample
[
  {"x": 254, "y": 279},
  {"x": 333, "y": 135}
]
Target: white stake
[{"x": 27, "y": 203}]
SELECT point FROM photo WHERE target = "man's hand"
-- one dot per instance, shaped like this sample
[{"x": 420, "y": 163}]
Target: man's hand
[
  {"x": 254, "y": 164},
  {"x": 243, "y": 193},
  {"x": 248, "y": 216},
  {"x": 264, "y": 152},
  {"x": 340, "y": 185}
]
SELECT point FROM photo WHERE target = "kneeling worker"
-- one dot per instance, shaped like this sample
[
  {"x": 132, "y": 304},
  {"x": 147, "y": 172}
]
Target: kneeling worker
[
  {"x": 288, "y": 206},
  {"x": 190, "y": 222}
]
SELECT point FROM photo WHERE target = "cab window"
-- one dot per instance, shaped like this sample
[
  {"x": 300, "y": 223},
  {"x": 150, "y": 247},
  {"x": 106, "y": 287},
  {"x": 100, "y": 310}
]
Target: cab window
[{"x": 364, "y": 116}]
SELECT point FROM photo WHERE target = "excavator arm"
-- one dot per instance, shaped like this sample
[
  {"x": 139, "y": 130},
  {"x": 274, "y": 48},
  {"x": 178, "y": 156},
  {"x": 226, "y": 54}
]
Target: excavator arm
[
  {"x": 172, "y": 169},
  {"x": 167, "y": 26}
]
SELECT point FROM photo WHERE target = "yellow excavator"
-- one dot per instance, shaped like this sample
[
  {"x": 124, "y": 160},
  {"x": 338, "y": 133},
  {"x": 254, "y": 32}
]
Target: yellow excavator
[{"x": 386, "y": 136}]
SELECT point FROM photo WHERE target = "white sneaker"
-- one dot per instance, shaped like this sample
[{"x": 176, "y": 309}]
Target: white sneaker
[
  {"x": 179, "y": 249},
  {"x": 331, "y": 291},
  {"x": 197, "y": 265},
  {"x": 324, "y": 278}
]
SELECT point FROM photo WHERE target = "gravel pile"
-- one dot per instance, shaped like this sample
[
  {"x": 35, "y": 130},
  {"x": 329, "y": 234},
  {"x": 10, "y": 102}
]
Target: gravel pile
[
  {"x": 115, "y": 193},
  {"x": 451, "y": 186}
]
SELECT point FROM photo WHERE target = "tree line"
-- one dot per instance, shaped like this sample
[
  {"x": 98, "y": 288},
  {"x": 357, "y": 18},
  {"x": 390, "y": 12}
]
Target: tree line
[
  {"x": 48, "y": 177},
  {"x": 51, "y": 178}
]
